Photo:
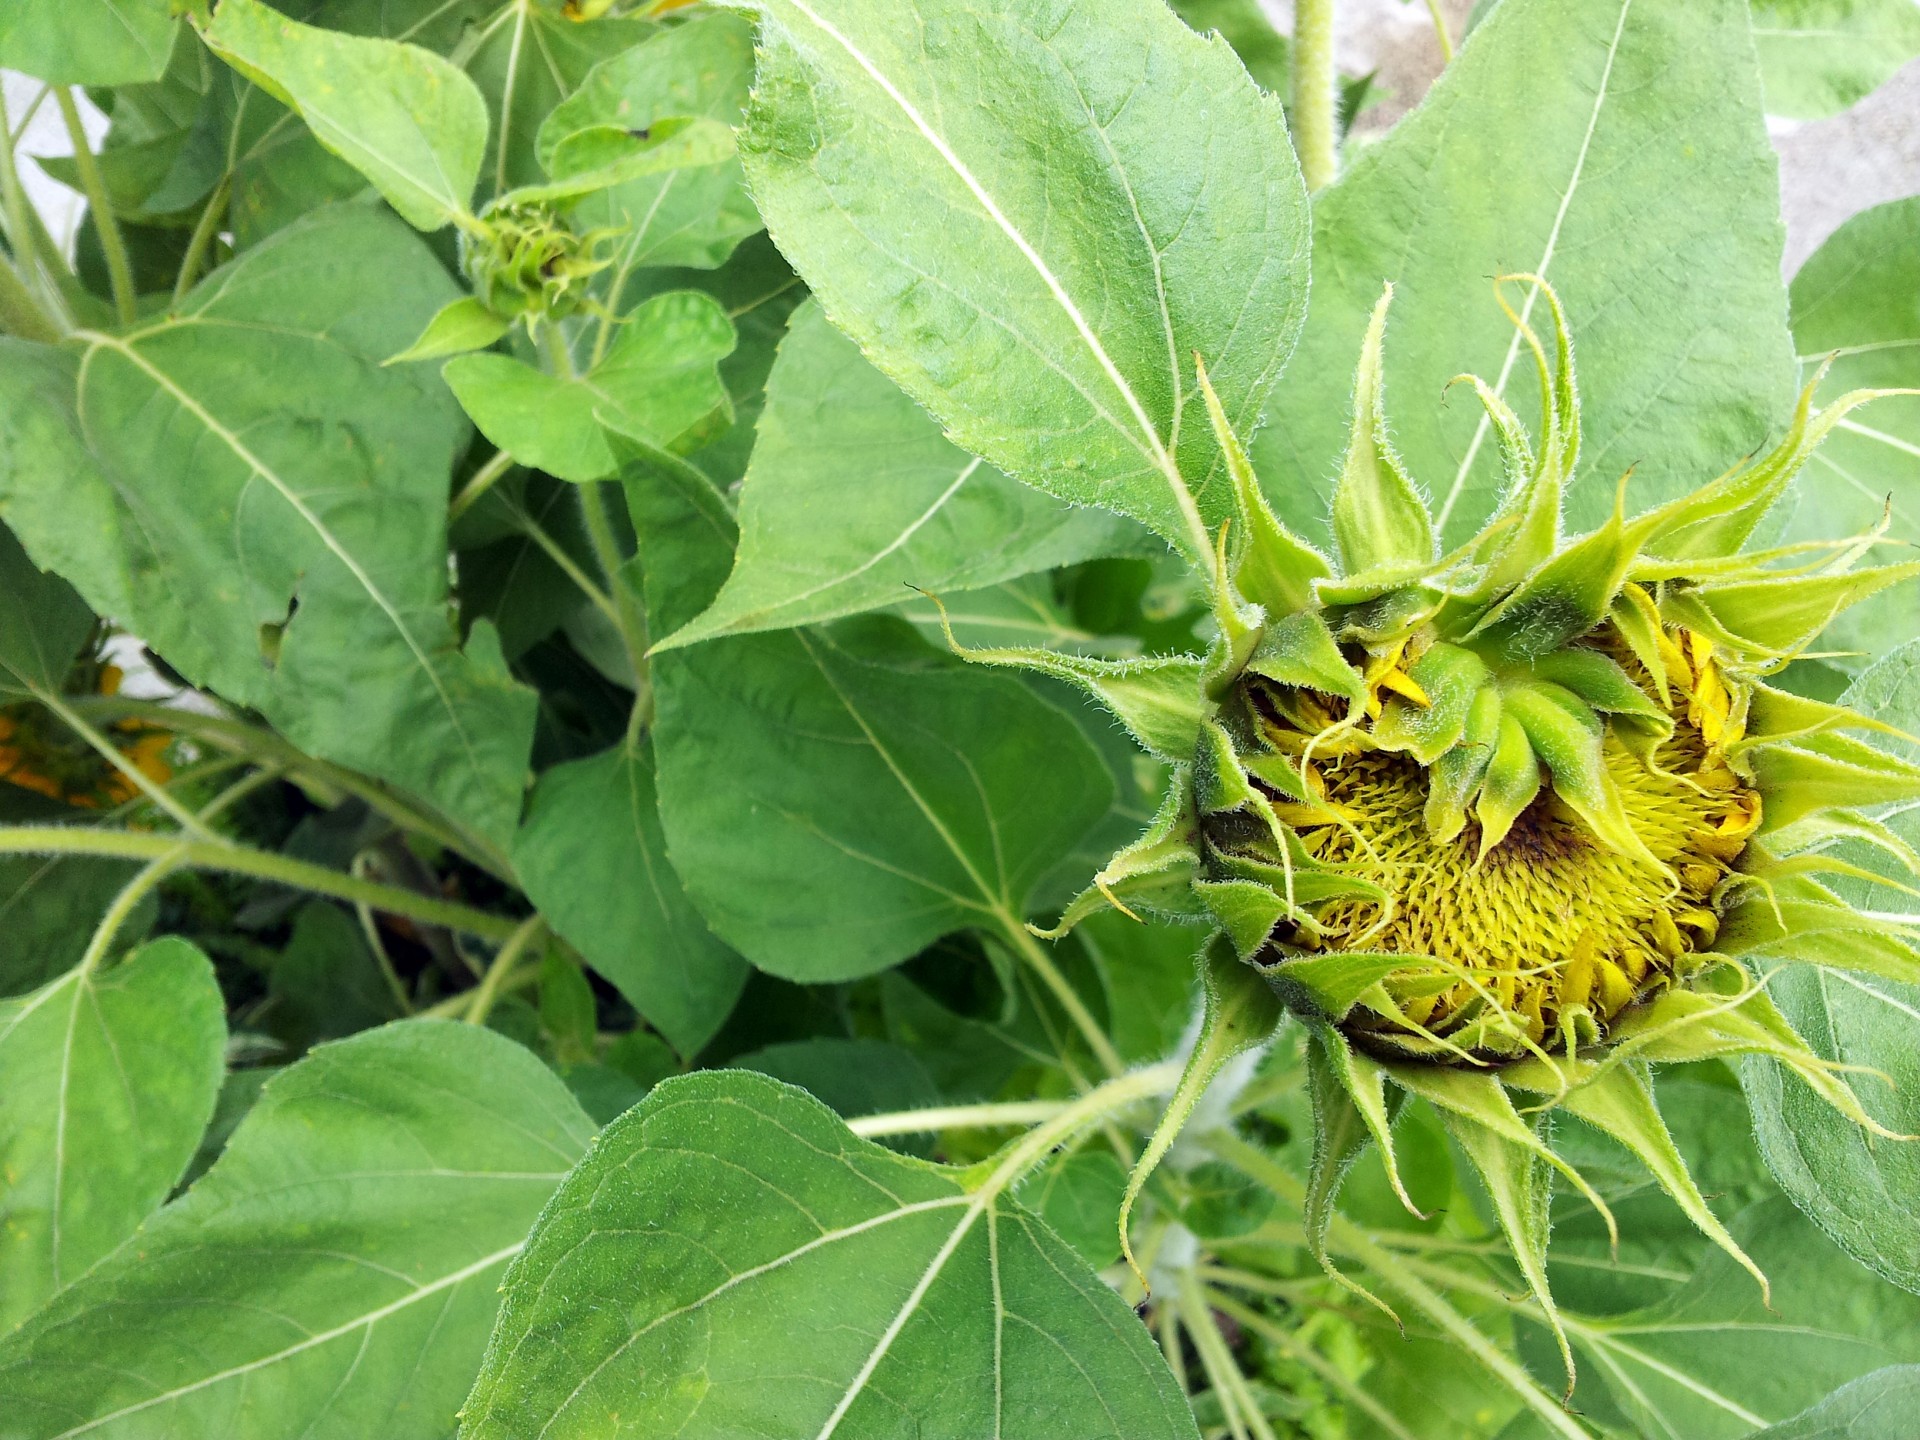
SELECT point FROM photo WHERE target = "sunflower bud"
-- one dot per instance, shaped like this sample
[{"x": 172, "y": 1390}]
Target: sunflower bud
[
  {"x": 526, "y": 262},
  {"x": 1516, "y": 818}
]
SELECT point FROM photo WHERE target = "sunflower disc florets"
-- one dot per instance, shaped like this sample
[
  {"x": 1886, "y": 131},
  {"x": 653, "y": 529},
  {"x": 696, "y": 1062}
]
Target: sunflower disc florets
[{"x": 1519, "y": 817}]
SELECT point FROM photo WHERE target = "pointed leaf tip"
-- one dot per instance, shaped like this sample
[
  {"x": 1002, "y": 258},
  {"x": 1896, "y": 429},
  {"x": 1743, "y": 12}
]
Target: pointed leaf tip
[{"x": 1379, "y": 520}]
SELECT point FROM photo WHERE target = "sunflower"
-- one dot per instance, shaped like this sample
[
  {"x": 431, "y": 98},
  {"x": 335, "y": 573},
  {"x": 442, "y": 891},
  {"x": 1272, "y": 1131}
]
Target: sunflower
[
  {"x": 40, "y": 754},
  {"x": 1508, "y": 824}
]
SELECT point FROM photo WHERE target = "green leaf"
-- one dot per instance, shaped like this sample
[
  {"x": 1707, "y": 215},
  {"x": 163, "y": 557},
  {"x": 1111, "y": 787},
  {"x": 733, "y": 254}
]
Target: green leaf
[
  {"x": 1817, "y": 57},
  {"x": 853, "y": 494},
  {"x": 893, "y": 794},
  {"x": 1841, "y": 309},
  {"x": 1861, "y": 1190},
  {"x": 824, "y": 1285},
  {"x": 1713, "y": 1362},
  {"x": 339, "y": 1261},
  {"x": 243, "y": 486},
  {"x": 43, "y": 623},
  {"x": 408, "y": 120},
  {"x": 87, "y": 42},
  {"x": 1634, "y": 174},
  {"x": 593, "y": 859},
  {"x": 107, "y": 1078},
  {"x": 658, "y": 383},
  {"x": 1033, "y": 228},
  {"x": 1880, "y": 1406},
  {"x": 457, "y": 327},
  {"x": 696, "y": 216},
  {"x": 837, "y": 799}
]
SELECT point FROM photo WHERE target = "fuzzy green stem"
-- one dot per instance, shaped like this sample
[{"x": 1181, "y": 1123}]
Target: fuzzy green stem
[
  {"x": 996, "y": 1175},
  {"x": 124, "y": 904},
  {"x": 204, "y": 231},
  {"x": 134, "y": 776},
  {"x": 1440, "y": 31},
  {"x": 481, "y": 481},
  {"x": 20, "y": 313},
  {"x": 566, "y": 564},
  {"x": 504, "y": 963},
  {"x": 1297, "y": 1350},
  {"x": 112, "y": 246},
  {"x": 156, "y": 871},
  {"x": 1314, "y": 116},
  {"x": 1041, "y": 963},
  {"x": 234, "y": 859},
  {"x": 260, "y": 744},
  {"x": 628, "y": 618}
]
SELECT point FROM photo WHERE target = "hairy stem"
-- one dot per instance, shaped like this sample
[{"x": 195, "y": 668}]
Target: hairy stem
[
  {"x": 261, "y": 745},
  {"x": 132, "y": 773},
  {"x": 1313, "y": 91},
  {"x": 20, "y": 313},
  {"x": 204, "y": 231},
  {"x": 1041, "y": 963},
  {"x": 504, "y": 963},
  {"x": 112, "y": 246},
  {"x": 606, "y": 550},
  {"x": 481, "y": 481},
  {"x": 235, "y": 859},
  {"x": 1440, "y": 31}
]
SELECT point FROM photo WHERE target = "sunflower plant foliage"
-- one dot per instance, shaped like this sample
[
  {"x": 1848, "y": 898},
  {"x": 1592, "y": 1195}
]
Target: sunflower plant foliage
[{"x": 850, "y": 718}]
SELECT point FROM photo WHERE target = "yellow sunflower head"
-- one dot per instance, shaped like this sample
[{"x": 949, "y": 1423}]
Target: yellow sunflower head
[{"x": 1517, "y": 818}]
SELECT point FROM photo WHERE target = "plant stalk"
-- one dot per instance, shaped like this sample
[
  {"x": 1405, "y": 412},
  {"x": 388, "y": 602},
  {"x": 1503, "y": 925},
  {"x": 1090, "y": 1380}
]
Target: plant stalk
[
  {"x": 1314, "y": 84},
  {"x": 20, "y": 313},
  {"x": 204, "y": 230},
  {"x": 1041, "y": 963},
  {"x": 628, "y": 617},
  {"x": 481, "y": 481},
  {"x": 132, "y": 773},
  {"x": 112, "y": 244},
  {"x": 1440, "y": 31},
  {"x": 234, "y": 859},
  {"x": 504, "y": 963}
]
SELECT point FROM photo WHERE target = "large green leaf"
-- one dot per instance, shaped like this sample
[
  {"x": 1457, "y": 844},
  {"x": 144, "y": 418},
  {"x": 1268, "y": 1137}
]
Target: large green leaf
[
  {"x": 1858, "y": 300},
  {"x": 658, "y": 383},
  {"x": 1033, "y": 222},
  {"x": 1863, "y": 1190},
  {"x": 1820, "y": 56},
  {"x": 333, "y": 1274},
  {"x": 245, "y": 487},
  {"x": 730, "y": 1260},
  {"x": 43, "y": 623},
  {"x": 404, "y": 117},
  {"x": 87, "y": 42},
  {"x": 593, "y": 859},
  {"x": 693, "y": 216},
  {"x": 853, "y": 494},
  {"x": 1633, "y": 171},
  {"x": 1714, "y": 1362},
  {"x": 835, "y": 799},
  {"x": 1880, "y": 1406},
  {"x": 107, "y": 1078}
]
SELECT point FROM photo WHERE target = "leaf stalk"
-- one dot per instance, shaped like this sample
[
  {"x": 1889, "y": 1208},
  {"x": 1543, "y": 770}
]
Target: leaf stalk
[
  {"x": 112, "y": 244},
  {"x": 1314, "y": 92}
]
